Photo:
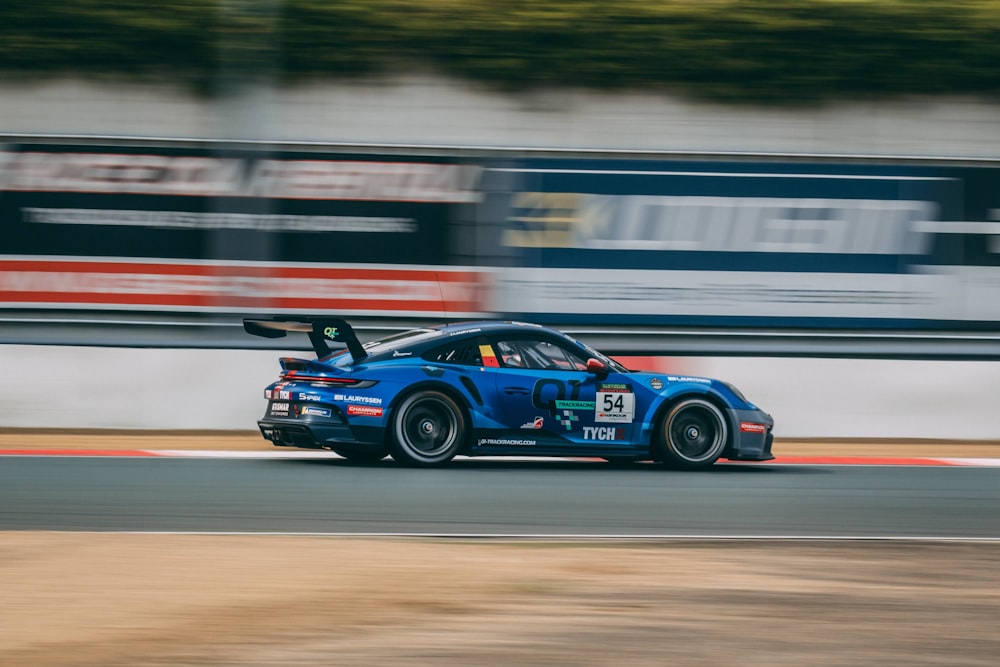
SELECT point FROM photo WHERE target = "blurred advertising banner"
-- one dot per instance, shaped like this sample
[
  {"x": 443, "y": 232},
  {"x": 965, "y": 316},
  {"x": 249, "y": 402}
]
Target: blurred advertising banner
[
  {"x": 787, "y": 244},
  {"x": 171, "y": 228},
  {"x": 238, "y": 286},
  {"x": 236, "y": 205},
  {"x": 590, "y": 238}
]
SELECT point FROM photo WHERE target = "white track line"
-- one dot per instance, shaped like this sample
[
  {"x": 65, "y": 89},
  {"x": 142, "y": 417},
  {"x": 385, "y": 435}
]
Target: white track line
[
  {"x": 986, "y": 463},
  {"x": 548, "y": 537},
  {"x": 301, "y": 454}
]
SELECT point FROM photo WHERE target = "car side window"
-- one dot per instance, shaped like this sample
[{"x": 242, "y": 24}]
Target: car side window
[
  {"x": 466, "y": 353},
  {"x": 538, "y": 355},
  {"x": 510, "y": 354}
]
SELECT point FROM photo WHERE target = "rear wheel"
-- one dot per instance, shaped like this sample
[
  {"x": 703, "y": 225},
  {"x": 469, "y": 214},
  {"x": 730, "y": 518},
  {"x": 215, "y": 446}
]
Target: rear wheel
[
  {"x": 428, "y": 428},
  {"x": 694, "y": 434}
]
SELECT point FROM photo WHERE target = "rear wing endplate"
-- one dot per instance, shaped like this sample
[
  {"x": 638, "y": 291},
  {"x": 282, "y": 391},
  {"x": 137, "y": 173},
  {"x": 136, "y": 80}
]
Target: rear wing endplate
[{"x": 319, "y": 329}]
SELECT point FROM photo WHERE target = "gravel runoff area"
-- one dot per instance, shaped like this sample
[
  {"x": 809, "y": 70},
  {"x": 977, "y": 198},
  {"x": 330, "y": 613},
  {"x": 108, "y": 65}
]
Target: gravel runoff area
[
  {"x": 126, "y": 600},
  {"x": 115, "y": 600}
]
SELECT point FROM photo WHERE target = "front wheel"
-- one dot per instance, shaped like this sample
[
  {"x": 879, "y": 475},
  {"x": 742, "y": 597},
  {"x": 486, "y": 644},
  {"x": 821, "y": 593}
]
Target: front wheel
[
  {"x": 694, "y": 434},
  {"x": 428, "y": 428}
]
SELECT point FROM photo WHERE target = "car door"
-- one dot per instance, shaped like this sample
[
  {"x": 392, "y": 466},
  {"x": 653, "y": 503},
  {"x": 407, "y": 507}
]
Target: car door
[{"x": 545, "y": 389}]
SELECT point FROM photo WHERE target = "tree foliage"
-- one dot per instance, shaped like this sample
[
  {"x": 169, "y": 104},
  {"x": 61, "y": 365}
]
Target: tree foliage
[{"x": 783, "y": 51}]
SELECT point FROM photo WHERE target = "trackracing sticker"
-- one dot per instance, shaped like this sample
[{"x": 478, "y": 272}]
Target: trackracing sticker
[{"x": 507, "y": 442}]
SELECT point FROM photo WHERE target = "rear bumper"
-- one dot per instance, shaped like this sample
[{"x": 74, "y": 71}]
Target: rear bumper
[
  {"x": 752, "y": 436},
  {"x": 312, "y": 435}
]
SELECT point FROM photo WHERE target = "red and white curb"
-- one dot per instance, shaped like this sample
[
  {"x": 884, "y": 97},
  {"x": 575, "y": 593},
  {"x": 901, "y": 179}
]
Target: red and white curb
[
  {"x": 885, "y": 461},
  {"x": 307, "y": 454}
]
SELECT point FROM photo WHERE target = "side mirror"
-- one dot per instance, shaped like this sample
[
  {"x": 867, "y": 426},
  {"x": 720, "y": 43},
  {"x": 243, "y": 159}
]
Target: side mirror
[{"x": 597, "y": 367}]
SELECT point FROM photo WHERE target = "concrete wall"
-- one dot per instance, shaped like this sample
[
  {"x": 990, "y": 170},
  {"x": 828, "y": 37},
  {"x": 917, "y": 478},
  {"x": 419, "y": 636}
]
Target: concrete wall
[
  {"x": 115, "y": 388},
  {"x": 433, "y": 110}
]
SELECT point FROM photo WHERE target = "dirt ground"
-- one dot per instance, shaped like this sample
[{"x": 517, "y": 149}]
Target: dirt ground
[
  {"x": 89, "y": 600},
  {"x": 119, "y": 600}
]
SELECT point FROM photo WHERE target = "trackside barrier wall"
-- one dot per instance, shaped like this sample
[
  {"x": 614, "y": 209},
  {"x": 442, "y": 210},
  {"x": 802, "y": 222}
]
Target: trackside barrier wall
[{"x": 114, "y": 388}]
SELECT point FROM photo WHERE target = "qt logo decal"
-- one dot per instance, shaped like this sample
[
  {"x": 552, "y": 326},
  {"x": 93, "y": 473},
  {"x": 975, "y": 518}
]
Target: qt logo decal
[
  {"x": 330, "y": 332},
  {"x": 548, "y": 400}
]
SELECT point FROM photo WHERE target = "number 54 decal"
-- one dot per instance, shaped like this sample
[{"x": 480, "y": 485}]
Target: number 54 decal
[{"x": 615, "y": 407}]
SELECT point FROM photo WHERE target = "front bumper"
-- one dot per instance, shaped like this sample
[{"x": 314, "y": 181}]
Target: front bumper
[{"x": 752, "y": 437}]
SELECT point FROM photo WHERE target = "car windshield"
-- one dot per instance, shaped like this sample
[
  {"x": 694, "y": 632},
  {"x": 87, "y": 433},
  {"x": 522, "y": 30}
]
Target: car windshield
[{"x": 611, "y": 363}]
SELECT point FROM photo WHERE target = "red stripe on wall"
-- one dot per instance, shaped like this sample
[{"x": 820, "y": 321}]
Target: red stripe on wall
[{"x": 199, "y": 285}]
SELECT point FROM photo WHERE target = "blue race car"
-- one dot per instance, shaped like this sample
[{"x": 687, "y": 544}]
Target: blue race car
[{"x": 496, "y": 388}]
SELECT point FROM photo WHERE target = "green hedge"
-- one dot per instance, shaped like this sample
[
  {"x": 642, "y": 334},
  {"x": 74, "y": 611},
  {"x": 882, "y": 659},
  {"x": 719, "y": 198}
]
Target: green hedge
[{"x": 786, "y": 51}]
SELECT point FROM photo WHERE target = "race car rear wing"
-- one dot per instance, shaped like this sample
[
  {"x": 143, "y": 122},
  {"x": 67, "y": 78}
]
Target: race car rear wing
[{"x": 319, "y": 329}]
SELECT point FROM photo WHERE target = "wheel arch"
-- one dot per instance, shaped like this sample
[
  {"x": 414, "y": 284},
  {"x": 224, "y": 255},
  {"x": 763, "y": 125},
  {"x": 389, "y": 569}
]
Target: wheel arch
[
  {"x": 431, "y": 385},
  {"x": 662, "y": 410}
]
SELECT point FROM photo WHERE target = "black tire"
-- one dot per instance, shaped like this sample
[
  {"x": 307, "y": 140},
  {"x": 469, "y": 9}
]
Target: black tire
[
  {"x": 693, "y": 434},
  {"x": 428, "y": 428}
]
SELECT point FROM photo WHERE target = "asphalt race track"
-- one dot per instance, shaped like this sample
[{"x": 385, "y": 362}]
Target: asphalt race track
[{"x": 496, "y": 498}]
